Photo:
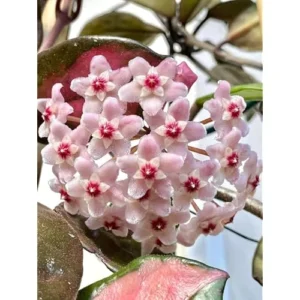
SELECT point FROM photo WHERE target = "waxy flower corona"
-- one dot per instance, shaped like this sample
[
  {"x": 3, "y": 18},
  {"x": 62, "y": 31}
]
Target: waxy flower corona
[{"x": 138, "y": 175}]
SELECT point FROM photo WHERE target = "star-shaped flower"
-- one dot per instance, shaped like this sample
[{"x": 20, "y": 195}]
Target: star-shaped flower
[
  {"x": 54, "y": 108},
  {"x": 152, "y": 86}
]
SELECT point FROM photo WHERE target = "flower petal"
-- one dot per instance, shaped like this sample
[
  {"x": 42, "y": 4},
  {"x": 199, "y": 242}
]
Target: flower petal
[
  {"x": 108, "y": 172},
  {"x": 152, "y": 105},
  {"x": 139, "y": 66},
  {"x": 167, "y": 67},
  {"x": 148, "y": 148},
  {"x": 163, "y": 188},
  {"x": 80, "y": 85},
  {"x": 96, "y": 207},
  {"x": 94, "y": 223},
  {"x": 71, "y": 207},
  {"x": 167, "y": 236},
  {"x": 98, "y": 65},
  {"x": 130, "y": 125},
  {"x": 56, "y": 94},
  {"x": 44, "y": 130},
  {"x": 120, "y": 147},
  {"x": 137, "y": 188},
  {"x": 75, "y": 188},
  {"x": 208, "y": 192},
  {"x": 92, "y": 105},
  {"x": 84, "y": 167},
  {"x": 58, "y": 131},
  {"x": 194, "y": 131},
  {"x": 134, "y": 213},
  {"x": 41, "y": 104},
  {"x": 223, "y": 90},
  {"x": 90, "y": 121},
  {"x": 128, "y": 164},
  {"x": 180, "y": 109},
  {"x": 242, "y": 125},
  {"x": 232, "y": 138},
  {"x": 170, "y": 163},
  {"x": 174, "y": 90},
  {"x": 130, "y": 92},
  {"x": 96, "y": 148},
  {"x": 111, "y": 108},
  {"x": 49, "y": 155}
]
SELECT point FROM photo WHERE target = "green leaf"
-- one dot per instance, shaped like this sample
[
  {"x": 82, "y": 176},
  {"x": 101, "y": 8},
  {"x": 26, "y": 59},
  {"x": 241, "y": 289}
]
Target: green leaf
[
  {"x": 250, "y": 92},
  {"x": 166, "y": 7},
  {"x": 257, "y": 267},
  {"x": 227, "y": 11},
  {"x": 189, "y": 9},
  {"x": 233, "y": 74},
  {"x": 123, "y": 25},
  {"x": 60, "y": 257},
  {"x": 245, "y": 32},
  {"x": 115, "y": 252},
  {"x": 162, "y": 277}
]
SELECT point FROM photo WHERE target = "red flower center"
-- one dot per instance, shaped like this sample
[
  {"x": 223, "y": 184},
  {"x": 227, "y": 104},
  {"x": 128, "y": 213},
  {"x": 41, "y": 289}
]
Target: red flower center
[
  {"x": 152, "y": 81},
  {"x": 106, "y": 130},
  {"x": 255, "y": 182},
  {"x": 145, "y": 197},
  {"x": 158, "y": 242},
  {"x": 158, "y": 224},
  {"x": 99, "y": 84},
  {"x": 192, "y": 184},
  {"x": 233, "y": 160},
  {"x": 173, "y": 130},
  {"x": 234, "y": 110},
  {"x": 93, "y": 189},
  {"x": 111, "y": 225},
  {"x": 65, "y": 196},
  {"x": 47, "y": 114},
  {"x": 209, "y": 228},
  {"x": 64, "y": 150},
  {"x": 148, "y": 171}
]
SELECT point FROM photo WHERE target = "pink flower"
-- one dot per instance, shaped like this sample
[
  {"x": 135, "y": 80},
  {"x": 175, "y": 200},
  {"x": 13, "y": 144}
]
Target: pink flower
[
  {"x": 210, "y": 220},
  {"x": 111, "y": 130},
  {"x": 248, "y": 180},
  {"x": 149, "y": 169},
  {"x": 227, "y": 111},
  {"x": 64, "y": 146},
  {"x": 185, "y": 75},
  {"x": 230, "y": 154},
  {"x": 153, "y": 242},
  {"x": 162, "y": 228},
  {"x": 172, "y": 130},
  {"x": 152, "y": 86},
  {"x": 136, "y": 209},
  {"x": 111, "y": 220},
  {"x": 95, "y": 185},
  {"x": 72, "y": 205},
  {"x": 193, "y": 182},
  {"x": 53, "y": 108},
  {"x": 102, "y": 82}
]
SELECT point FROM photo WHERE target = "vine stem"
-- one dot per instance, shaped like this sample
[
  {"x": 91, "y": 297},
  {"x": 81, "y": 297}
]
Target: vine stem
[
  {"x": 197, "y": 150},
  {"x": 221, "y": 54},
  {"x": 206, "y": 121},
  {"x": 253, "y": 206}
]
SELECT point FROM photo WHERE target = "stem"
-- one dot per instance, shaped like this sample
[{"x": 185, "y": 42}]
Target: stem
[
  {"x": 203, "y": 68},
  {"x": 206, "y": 121},
  {"x": 241, "y": 235},
  {"x": 133, "y": 149},
  {"x": 196, "y": 208},
  {"x": 200, "y": 25},
  {"x": 197, "y": 150},
  {"x": 253, "y": 206},
  {"x": 49, "y": 41},
  {"x": 221, "y": 54}
]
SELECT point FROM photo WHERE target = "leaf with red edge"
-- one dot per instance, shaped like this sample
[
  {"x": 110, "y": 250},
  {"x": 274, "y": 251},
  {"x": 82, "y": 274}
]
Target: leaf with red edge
[
  {"x": 159, "y": 277},
  {"x": 71, "y": 59}
]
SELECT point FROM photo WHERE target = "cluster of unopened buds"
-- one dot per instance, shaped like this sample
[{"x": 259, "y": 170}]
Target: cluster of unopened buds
[{"x": 151, "y": 180}]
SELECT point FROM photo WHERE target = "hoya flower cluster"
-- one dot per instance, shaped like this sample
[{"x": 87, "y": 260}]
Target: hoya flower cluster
[{"x": 151, "y": 180}]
